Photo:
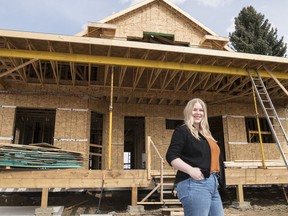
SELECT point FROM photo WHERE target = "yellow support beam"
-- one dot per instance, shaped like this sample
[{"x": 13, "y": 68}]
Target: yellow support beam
[{"x": 118, "y": 61}]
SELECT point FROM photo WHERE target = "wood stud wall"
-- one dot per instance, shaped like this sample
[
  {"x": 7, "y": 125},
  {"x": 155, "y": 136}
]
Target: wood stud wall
[{"x": 73, "y": 122}]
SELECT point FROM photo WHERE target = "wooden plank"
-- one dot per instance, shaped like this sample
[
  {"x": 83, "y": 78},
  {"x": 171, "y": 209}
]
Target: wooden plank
[
  {"x": 253, "y": 163},
  {"x": 74, "y": 178},
  {"x": 236, "y": 176}
]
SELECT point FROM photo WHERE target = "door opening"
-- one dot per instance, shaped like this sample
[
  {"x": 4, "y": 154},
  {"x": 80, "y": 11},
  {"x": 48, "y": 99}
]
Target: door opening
[
  {"x": 216, "y": 128},
  {"x": 134, "y": 143}
]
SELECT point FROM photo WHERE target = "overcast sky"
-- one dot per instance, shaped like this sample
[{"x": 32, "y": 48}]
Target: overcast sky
[{"x": 70, "y": 16}]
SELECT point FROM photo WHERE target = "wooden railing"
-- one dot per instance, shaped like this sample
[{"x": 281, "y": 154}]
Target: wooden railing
[{"x": 150, "y": 145}]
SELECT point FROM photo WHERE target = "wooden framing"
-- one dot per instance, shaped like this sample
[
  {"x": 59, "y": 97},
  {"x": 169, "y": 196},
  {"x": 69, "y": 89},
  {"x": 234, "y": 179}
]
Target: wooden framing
[{"x": 72, "y": 75}]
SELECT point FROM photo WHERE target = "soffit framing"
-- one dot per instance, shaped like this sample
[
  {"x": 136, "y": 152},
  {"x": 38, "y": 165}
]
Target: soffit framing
[{"x": 144, "y": 73}]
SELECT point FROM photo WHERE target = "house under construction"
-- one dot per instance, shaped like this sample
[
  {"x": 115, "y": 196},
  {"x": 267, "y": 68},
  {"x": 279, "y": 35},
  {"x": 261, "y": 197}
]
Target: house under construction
[{"x": 115, "y": 91}]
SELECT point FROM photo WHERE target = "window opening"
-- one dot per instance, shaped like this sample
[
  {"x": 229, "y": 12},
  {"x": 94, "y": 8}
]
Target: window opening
[
  {"x": 158, "y": 38},
  {"x": 34, "y": 126},
  {"x": 252, "y": 130},
  {"x": 127, "y": 160},
  {"x": 96, "y": 131}
]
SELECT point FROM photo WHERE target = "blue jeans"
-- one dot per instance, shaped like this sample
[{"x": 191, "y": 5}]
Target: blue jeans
[{"x": 200, "y": 197}]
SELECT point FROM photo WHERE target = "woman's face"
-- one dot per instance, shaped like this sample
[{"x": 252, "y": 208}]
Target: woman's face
[{"x": 198, "y": 114}]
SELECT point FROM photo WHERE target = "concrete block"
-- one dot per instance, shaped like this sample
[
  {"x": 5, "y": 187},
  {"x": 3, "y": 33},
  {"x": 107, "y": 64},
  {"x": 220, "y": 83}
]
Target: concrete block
[
  {"x": 136, "y": 209},
  {"x": 241, "y": 205},
  {"x": 44, "y": 211}
]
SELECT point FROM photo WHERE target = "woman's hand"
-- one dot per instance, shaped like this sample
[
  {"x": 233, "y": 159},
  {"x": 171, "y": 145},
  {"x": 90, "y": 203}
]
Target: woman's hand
[{"x": 196, "y": 173}]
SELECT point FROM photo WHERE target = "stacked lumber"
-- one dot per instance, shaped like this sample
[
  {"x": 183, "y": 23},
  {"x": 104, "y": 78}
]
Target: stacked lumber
[{"x": 37, "y": 156}]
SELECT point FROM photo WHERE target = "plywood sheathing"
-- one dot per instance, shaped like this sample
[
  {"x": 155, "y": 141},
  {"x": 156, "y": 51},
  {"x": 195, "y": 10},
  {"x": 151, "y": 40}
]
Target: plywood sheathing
[
  {"x": 7, "y": 115},
  {"x": 71, "y": 127},
  {"x": 118, "y": 138},
  {"x": 283, "y": 114},
  {"x": 237, "y": 147},
  {"x": 156, "y": 18},
  {"x": 155, "y": 115}
]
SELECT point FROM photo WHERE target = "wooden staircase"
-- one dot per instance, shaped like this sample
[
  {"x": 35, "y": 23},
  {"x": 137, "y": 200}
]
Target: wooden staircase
[{"x": 163, "y": 191}]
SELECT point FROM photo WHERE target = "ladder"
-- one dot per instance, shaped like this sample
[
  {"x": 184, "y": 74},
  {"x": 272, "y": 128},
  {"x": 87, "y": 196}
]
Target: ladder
[{"x": 270, "y": 112}]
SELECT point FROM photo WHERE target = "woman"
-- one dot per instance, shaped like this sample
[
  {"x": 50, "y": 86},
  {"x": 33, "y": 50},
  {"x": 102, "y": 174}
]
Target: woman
[{"x": 194, "y": 153}]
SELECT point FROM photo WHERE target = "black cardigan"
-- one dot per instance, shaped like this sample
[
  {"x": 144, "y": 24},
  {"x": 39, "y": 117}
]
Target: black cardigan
[{"x": 194, "y": 152}]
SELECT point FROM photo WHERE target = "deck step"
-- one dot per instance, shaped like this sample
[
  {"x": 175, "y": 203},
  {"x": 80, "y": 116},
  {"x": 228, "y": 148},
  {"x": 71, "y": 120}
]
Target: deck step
[
  {"x": 171, "y": 201},
  {"x": 172, "y": 211}
]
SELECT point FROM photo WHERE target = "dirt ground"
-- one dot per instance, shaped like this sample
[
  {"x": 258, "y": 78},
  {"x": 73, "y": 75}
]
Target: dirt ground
[{"x": 264, "y": 201}]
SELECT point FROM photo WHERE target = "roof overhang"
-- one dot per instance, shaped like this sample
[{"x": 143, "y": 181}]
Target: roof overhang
[{"x": 19, "y": 48}]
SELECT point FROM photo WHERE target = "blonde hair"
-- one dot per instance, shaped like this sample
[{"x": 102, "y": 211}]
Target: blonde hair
[{"x": 189, "y": 120}]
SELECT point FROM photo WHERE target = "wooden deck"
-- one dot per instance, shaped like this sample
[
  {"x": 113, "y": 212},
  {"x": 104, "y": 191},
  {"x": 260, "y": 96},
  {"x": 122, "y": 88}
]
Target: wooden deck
[
  {"x": 130, "y": 179},
  {"x": 73, "y": 178}
]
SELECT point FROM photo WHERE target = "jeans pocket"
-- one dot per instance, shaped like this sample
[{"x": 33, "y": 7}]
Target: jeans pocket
[{"x": 183, "y": 189}]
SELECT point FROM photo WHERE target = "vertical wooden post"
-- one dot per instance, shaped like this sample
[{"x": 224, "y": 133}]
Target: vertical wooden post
[
  {"x": 134, "y": 196},
  {"x": 110, "y": 121},
  {"x": 148, "y": 158},
  {"x": 240, "y": 193},
  {"x": 44, "y": 197}
]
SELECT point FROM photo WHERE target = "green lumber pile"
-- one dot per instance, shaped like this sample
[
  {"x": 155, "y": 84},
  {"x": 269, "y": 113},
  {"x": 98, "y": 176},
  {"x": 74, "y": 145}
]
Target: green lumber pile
[{"x": 37, "y": 156}]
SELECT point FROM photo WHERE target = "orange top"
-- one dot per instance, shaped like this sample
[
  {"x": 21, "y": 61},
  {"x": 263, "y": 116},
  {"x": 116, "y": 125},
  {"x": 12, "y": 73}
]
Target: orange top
[{"x": 215, "y": 154}]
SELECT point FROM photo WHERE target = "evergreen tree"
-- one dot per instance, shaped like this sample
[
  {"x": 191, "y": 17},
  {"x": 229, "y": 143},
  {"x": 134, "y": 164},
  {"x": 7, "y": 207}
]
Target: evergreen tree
[{"x": 254, "y": 34}]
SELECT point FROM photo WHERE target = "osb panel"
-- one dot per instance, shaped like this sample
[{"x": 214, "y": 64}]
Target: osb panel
[
  {"x": 8, "y": 99},
  {"x": 155, "y": 127},
  {"x": 73, "y": 125},
  {"x": 252, "y": 151},
  {"x": 157, "y": 18},
  {"x": 6, "y": 123},
  {"x": 117, "y": 160},
  {"x": 238, "y": 109},
  {"x": 118, "y": 130},
  {"x": 117, "y": 145},
  {"x": 73, "y": 102},
  {"x": 80, "y": 146},
  {"x": 98, "y": 106},
  {"x": 236, "y": 129},
  {"x": 42, "y": 101},
  {"x": 216, "y": 110}
]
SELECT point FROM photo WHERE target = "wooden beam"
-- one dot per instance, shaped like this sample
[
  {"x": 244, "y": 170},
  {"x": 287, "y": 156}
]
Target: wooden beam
[
  {"x": 134, "y": 196},
  {"x": 73, "y": 178},
  {"x": 240, "y": 193},
  {"x": 2, "y": 84},
  {"x": 277, "y": 81},
  {"x": 118, "y": 61},
  {"x": 250, "y": 176},
  {"x": 18, "y": 67},
  {"x": 44, "y": 197}
]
